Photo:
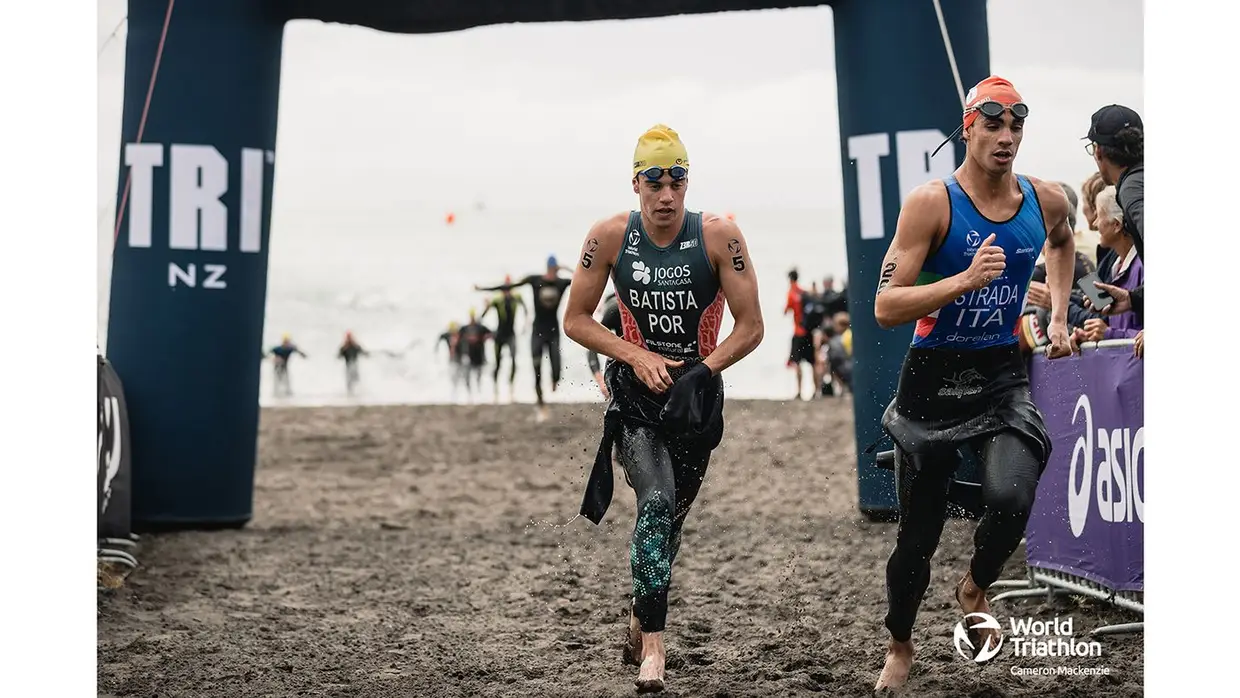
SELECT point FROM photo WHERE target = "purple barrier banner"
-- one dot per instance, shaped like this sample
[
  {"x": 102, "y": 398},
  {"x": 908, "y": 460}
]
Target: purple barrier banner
[{"x": 1089, "y": 515}]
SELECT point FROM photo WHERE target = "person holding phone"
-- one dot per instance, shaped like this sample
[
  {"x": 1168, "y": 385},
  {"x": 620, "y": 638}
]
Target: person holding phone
[{"x": 959, "y": 266}]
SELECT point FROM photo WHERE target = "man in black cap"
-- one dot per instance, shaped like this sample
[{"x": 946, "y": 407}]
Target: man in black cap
[{"x": 1117, "y": 143}]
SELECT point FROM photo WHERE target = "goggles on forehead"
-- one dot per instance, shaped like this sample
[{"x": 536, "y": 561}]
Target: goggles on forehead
[
  {"x": 991, "y": 110},
  {"x": 654, "y": 174}
]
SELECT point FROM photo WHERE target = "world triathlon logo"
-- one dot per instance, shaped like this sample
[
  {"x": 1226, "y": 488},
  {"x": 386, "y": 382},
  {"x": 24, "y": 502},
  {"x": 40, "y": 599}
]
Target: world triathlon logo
[
  {"x": 964, "y": 645},
  {"x": 973, "y": 238}
]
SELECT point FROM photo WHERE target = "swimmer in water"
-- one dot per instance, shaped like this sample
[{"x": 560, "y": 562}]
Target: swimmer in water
[
  {"x": 280, "y": 357},
  {"x": 472, "y": 340},
  {"x": 350, "y": 350},
  {"x": 456, "y": 367}
]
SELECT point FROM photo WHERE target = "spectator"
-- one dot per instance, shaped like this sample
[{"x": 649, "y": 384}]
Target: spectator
[
  {"x": 802, "y": 349},
  {"x": 1117, "y": 144},
  {"x": 814, "y": 315},
  {"x": 836, "y": 300},
  {"x": 839, "y": 352},
  {"x": 1089, "y": 192},
  {"x": 1121, "y": 266},
  {"x": 1039, "y": 294}
]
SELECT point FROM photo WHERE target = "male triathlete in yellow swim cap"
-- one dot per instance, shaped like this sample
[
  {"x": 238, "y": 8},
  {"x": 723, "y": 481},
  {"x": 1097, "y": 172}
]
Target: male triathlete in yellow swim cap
[{"x": 671, "y": 269}]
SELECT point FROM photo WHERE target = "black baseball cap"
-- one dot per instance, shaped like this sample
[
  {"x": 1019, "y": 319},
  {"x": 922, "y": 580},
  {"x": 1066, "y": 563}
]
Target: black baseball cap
[{"x": 1109, "y": 120}]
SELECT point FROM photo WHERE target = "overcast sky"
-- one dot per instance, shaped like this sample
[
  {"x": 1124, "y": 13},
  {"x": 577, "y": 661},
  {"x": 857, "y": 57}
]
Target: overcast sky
[{"x": 443, "y": 120}]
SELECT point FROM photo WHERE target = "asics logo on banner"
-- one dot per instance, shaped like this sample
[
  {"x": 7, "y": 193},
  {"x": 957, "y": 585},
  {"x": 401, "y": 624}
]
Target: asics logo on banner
[
  {"x": 964, "y": 646},
  {"x": 641, "y": 272},
  {"x": 1116, "y": 482}
]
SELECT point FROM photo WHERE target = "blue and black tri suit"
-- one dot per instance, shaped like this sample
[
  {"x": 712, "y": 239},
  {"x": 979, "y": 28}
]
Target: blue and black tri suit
[{"x": 964, "y": 384}]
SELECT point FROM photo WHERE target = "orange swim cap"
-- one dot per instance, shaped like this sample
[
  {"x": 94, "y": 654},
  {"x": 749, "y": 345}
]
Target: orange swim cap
[{"x": 993, "y": 88}]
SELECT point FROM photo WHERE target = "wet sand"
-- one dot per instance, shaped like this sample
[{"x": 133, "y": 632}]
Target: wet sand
[{"x": 426, "y": 551}]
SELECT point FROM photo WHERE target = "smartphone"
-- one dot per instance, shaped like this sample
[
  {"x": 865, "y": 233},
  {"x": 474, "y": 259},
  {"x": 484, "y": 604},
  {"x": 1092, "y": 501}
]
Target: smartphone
[{"x": 1097, "y": 297}]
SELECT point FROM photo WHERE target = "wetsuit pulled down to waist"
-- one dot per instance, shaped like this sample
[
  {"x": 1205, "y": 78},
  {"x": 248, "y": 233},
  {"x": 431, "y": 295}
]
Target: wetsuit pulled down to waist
[
  {"x": 665, "y": 465},
  {"x": 633, "y": 404},
  {"x": 948, "y": 397}
]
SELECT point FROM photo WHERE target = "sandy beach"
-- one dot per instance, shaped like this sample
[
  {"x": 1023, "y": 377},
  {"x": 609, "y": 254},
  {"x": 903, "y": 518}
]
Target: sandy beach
[{"x": 428, "y": 551}]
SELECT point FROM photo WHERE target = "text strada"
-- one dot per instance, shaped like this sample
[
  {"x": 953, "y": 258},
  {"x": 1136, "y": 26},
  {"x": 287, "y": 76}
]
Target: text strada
[{"x": 987, "y": 308}]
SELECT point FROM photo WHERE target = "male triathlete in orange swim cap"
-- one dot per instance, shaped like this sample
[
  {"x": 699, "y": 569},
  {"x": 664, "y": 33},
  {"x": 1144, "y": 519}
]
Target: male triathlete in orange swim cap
[{"x": 959, "y": 266}]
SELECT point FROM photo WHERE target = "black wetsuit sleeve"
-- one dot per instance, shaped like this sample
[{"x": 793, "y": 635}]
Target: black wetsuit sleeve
[
  {"x": 1137, "y": 297},
  {"x": 509, "y": 287},
  {"x": 1131, "y": 195},
  {"x": 610, "y": 320}
]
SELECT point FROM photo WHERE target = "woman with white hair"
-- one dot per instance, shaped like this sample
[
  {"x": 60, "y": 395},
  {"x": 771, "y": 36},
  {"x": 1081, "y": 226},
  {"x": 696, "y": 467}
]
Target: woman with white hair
[{"x": 1120, "y": 266}]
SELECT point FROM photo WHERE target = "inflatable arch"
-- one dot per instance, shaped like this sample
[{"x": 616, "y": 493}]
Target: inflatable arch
[{"x": 189, "y": 274}]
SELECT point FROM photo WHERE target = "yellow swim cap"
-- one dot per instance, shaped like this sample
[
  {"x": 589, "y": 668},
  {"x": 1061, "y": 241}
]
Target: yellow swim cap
[
  {"x": 452, "y": 327},
  {"x": 659, "y": 147}
]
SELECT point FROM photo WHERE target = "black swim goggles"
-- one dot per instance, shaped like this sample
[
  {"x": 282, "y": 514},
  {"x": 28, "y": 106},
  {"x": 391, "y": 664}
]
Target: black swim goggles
[
  {"x": 991, "y": 110},
  {"x": 654, "y": 174}
]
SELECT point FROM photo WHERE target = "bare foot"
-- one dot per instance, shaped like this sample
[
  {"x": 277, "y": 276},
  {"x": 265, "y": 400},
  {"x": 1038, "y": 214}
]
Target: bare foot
[
  {"x": 896, "y": 668},
  {"x": 633, "y": 645},
  {"x": 972, "y": 599},
  {"x": 650, "y": 677}
]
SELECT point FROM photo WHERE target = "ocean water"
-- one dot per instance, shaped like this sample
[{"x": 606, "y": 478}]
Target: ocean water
[
  {"x": 397, "y": 278},
  {"x": 396, "y": 281}
]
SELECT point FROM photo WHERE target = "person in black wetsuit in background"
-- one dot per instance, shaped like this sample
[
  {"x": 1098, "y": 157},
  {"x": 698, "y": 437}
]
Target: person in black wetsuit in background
[
  {"x": 609, "y": 317},
  {"x": 472, "y": 344},
  {"x": 456, "y": 367},
  {"x": 505, "y": 304},
  {"x": 350, "y": 350},
  {"x": 549, "y": 289}
]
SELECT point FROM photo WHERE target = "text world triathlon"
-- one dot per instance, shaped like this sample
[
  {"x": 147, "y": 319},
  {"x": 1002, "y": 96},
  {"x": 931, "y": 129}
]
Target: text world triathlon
[{"x": 1029, "y": 639}]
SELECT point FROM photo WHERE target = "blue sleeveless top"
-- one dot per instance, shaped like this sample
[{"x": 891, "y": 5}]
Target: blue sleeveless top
[{"x": 987, "y": 316}]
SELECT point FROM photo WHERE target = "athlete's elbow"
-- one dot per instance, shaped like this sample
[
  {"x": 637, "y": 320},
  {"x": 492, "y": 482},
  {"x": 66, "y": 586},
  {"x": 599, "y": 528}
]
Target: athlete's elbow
[
  {"x": 883, "y": 315},
  {"x": 572, "y": 326},
  {"x": 754, "y": 331}
]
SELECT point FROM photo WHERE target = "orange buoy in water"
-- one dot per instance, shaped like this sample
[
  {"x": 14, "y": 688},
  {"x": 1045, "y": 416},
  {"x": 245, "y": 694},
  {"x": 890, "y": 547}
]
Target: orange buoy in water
[
  {"x": 732, "y": 217},
  {"x": 451, "y": 218}
]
